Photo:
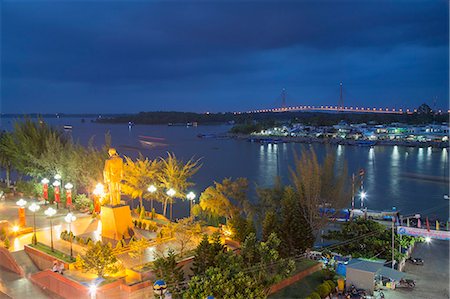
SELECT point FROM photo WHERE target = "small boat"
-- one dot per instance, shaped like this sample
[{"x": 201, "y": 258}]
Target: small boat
[
  {"x": 67, "y": 128},
  {"x": 206, "y": 135},
  {"x": 446, "y": 197}
]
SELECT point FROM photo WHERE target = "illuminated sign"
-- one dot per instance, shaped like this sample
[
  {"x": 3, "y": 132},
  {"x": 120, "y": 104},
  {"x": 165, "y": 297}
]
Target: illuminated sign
[{"x": 419, "y": 232}]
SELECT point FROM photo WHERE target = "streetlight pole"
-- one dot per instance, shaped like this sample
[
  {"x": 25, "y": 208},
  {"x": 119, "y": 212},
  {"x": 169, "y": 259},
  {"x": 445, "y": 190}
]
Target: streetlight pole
[
  {"x": 50, "y": 212},
  {"x": 393, "y": 222},
  {"x": 69, "y": 219},
  {"x": 190, "y": 196},
  {"x": 151, "y": 189},
  {"x": 171, "y": 193},
  {"x": 34, "y": 208}
]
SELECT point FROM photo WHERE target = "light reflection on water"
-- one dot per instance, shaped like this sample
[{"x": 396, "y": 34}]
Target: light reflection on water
[{"x": 385, "y": 166}]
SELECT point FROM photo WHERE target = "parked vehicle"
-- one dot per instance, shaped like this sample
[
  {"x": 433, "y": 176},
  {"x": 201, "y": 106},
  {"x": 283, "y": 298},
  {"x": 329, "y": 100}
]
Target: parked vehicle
[
  {"x": 406, "y": 283},
  {"x": 415, "y": 261}
]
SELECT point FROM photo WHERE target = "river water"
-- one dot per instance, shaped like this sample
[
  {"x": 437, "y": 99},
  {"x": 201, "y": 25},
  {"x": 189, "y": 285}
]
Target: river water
[{"x": 390, "y": 171}]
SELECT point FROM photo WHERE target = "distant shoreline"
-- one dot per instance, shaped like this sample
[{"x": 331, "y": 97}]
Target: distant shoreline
[{"x": 336, "y": 141}]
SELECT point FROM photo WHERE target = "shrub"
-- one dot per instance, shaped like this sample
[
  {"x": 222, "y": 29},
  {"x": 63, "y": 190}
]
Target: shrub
[
  {"x": 314, "y": 295},
  {"x": 152, "y": 227},
  {"x": 323, "y": 290},
  {"x": 331, "y": 284},
  {"x": 142, "y": 213},
  {"x": 82, "y": 202},
  {"x": 328, "y": 274},
  {"x": 27, "y": 188},
  {"x": 81, "y": 241},
  {"x": 6, "y": 243}
]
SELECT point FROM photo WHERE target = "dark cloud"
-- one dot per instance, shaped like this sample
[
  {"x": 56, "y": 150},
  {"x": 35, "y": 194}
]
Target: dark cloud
[{"x": 161, "y": 55}]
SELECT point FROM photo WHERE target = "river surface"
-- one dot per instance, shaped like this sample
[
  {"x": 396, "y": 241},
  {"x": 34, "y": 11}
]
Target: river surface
[{"x": 391, "y": 172}]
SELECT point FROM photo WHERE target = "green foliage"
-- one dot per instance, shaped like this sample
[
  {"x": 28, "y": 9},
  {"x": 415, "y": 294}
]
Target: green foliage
[
  {"x": 323, "y": 290},
  {"x": 224, "y": 283},
  {"x": 34, "y": 239},
  {"x": 206, "y": 253},
  {"x": 376, "y": 240},
  {"x": 328, "y": 274},
  {"x": 314, "y": 295},
  {"x": 137, "y": 248},
  {"x": 99, "y": 259},
  {"x": 319, "y": 185},
  {"x": 137, "y": 176},
  {"x": 166, "y": 268},
  {"x": 331, "y": 284},
  {"x": 81, "y": 202},
  {"x": 28, "y": 188},
  {"x": 224, "y": 274},
  {"x": 241, "y": 227},
  {"x": 6, "y": 243}
]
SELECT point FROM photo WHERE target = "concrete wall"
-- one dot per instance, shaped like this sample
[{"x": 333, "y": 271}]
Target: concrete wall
[
  {"x": 360, "y": 279},
  {"x": 60, "y": 284},
  {"x": 42, "y": 260},
  {"x": 8, "y": 262}
]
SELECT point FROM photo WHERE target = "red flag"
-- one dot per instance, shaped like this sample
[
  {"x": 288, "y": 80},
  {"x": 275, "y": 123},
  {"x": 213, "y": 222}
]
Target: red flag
[
  {"x": 68, "y": 197},
  {"x": 57, "y": 195},
  {"x": 45, "y": 191},
  {"x": 428, "y": 225}
]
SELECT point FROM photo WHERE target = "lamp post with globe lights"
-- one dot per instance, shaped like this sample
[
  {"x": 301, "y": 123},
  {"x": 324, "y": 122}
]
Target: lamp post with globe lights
[
  {"x": 69, "y": 219},
  {"x": 191, "y": 197},
  {"x": 151, "y": 189},
  {"x": 50, "y": 212},
  {"x": 22, "y": 203},
  {"x": 34, "y": 208}
]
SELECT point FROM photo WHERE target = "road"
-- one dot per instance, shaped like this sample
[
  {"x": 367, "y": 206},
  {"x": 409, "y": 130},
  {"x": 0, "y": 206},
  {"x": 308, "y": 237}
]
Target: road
[{"x": 432, "y": 279}]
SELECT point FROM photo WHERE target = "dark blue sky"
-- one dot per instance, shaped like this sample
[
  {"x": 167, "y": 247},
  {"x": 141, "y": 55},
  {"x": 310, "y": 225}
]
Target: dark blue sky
[{"x": 117, "y": 56}]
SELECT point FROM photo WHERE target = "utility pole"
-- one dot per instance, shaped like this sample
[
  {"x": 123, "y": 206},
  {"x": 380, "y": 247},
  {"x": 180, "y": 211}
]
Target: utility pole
[
  {"x": 393, "y": 223},
  {"x": 341, "y": 99}
]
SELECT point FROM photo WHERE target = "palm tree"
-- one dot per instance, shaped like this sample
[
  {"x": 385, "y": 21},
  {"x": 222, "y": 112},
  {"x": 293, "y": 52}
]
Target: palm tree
[
  {"x": 5, "y": 156},
  {"x": 138, "y": 176},
  {"x": 175, "y": 174}
]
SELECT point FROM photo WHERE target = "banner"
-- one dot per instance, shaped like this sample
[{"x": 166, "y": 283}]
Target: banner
[{"x": 418, "y": 232}]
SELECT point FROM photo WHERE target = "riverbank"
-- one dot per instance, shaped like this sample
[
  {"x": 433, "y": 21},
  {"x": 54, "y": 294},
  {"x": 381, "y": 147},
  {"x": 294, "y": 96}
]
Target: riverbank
[{"x": 337, "y": 141}]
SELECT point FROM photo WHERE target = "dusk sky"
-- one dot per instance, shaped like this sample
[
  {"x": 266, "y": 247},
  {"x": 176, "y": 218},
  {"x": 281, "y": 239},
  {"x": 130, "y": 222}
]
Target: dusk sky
[{"x": 117, "y": 56}]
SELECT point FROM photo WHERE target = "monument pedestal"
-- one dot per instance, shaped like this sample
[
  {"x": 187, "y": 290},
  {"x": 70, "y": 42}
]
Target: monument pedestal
[{"x": 115, "y": 222}]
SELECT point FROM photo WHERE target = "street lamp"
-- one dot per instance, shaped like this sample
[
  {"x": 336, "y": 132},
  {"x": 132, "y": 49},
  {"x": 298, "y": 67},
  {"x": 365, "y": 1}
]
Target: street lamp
[
  {"x": 34, "y": 208},
  {"x": 190, "y": 196},
  {"x": 56, "y": 184},
  {"x": 171, "y": 193},
  {"x": 362, "y": 195},
  {"x": 151, "y": 189},
  {"x": 160, "y": 287},
  {"x": 68, "y": 188},
  {"x": 44, "y": 183},
  {"x": 21, "y": 203},
  {"x": 50, "y": 212},
  {"x": 69, "y": 219},
  {"x": 427, "y": 240}
]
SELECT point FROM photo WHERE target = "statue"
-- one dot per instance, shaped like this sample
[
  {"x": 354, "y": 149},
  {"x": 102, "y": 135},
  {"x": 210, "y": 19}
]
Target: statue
[{"x": 112, "y": 174}]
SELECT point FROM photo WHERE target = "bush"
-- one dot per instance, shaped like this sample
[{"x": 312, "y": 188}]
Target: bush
[
  {"x": 331, "y": 284},
  {"x": 142, "y": 213},
  {"x": 328, "y": 274},
  {"x": 152, "y": 227},
  {"x": 314, "y": 295},
  {"x": 323, "y": 290},
  {"x": 28, "y": 188},
  {"x": 6, "y": 243},
  {"x": 81, "y": 202}
]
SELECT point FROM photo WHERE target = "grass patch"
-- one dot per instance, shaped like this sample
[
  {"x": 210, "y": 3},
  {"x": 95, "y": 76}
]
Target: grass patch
[
  {"x": 302, "y": 288},
  {"x": 304, "y": 264},
  {"x": 55, "y": 253}
]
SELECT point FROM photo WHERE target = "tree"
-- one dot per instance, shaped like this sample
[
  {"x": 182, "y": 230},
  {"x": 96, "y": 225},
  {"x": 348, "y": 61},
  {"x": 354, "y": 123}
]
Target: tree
[
  {"x": 137, "y": 248},
  {"x": 294, "y": 231},
  {"x": 206, "y": 253},
  {"x": 185, "y": 234},
  {"x": 175, "y": 174},
  {"x": 226, "y": 199},
  {"x": 138, "y": 176},
  {"x": 166, "y": 268},
  {"x": 99, "y": 259},
  {"x": 319, "y": 188},
  {"x": 5, "y": 156}
]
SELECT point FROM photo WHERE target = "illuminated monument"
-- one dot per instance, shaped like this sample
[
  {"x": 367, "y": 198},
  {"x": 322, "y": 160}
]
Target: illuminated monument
[{"x": 116, "y": 217}]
